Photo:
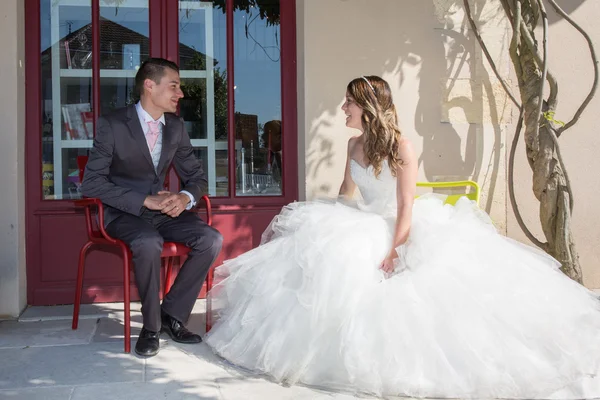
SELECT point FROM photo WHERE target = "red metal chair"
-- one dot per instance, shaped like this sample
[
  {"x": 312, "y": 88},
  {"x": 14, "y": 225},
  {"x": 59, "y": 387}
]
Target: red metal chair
[{"x": 98, "y": 235}]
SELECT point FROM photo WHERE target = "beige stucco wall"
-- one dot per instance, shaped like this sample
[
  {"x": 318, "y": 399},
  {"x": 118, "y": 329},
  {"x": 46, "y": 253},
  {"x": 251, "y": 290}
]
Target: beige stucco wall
[
  {"x": 443, "y": 90},
  {"x": 12, "y": 160},
  {"x": 440, "y": 85}
]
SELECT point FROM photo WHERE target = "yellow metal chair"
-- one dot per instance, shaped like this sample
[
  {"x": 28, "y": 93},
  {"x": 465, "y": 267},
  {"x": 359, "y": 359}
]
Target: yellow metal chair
[{"x": 472, "y": 194}]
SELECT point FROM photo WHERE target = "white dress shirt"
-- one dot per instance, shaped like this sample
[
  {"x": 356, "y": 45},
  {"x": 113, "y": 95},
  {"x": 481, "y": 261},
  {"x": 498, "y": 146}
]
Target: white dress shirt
[{"x": 155, "y": 153}]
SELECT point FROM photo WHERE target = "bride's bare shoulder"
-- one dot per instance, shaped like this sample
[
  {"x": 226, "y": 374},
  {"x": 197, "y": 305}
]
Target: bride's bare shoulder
[
  {"x": 353, "y": 139},
  {"x": 406, "y": 151}
]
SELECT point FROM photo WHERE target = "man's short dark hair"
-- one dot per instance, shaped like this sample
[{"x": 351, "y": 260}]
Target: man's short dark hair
[{"x": 152, "y": 68}]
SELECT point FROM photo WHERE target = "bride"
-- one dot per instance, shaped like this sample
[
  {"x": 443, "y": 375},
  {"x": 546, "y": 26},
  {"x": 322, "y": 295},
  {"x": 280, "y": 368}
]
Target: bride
[{"x": 388, "y": 295}]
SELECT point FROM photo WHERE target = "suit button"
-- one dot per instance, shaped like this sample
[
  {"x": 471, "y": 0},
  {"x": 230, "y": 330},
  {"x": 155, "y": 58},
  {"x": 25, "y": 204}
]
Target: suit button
[{"x": 155, "y": 180}]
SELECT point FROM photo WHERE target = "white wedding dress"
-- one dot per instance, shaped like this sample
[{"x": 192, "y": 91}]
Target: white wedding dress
[{"x": 473, "y": 315}]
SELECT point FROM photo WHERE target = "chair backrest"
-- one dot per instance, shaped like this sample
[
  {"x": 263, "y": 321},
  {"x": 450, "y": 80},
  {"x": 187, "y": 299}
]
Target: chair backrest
[{"x": 472, "y": 194}]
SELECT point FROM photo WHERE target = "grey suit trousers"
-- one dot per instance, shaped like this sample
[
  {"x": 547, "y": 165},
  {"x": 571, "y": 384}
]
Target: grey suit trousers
[{"x": 145, "y": 235}]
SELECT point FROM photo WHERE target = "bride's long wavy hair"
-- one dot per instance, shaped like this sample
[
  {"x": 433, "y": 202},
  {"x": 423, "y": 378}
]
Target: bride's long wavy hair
[{"x": 379, "y": 121}]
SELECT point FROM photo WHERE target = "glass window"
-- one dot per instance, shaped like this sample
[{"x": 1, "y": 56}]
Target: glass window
[
  {"x": 66, "y": 68},
  {"x": 257, "y": 54},
  {"x": 66, "y": 93},
  {"x": 203, "y": 71},
  {"x": 124, "y": 46}
]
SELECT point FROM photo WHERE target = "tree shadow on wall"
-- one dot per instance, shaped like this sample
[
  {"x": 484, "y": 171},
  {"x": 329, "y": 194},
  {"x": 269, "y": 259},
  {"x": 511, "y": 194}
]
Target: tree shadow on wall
[{"x": 426, "y": 56}]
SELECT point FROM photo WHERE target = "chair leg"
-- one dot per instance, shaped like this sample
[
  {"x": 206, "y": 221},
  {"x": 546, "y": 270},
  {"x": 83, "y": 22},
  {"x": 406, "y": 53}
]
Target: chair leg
[
  {"x": 168, "y": 276},
  {"x": 126, "y": 299},
  {"x": 79, "y": 288},
  {"x": 209, "y": 283}
]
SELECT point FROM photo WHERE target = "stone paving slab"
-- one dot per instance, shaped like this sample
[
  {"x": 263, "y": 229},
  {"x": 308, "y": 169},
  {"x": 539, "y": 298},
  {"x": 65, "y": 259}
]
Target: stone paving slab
[
  {"x": 184, "y": 365},
  {"x": 14, "y": 334},
  {"x": 261, "y": 389},
  {"x": 68, "y": 366},
  {"x": 147, "y": 391},
  {"x": 87, "y": 311},
  {"x": 111, "y": 329},
  {"x": 45, "y": 393}
]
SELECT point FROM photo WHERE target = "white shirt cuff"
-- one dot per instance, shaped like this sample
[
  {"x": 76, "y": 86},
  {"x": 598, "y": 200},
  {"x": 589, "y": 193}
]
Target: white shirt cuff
[{"x": 192, "y": 202}]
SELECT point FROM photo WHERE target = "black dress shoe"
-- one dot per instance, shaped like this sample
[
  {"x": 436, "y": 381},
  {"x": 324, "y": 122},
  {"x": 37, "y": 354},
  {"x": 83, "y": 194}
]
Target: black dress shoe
[
  {"x": 147, "y": 344},
  {"x": 177, "y": 331}
]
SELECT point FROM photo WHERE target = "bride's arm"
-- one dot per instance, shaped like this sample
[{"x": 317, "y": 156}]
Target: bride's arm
[
  {"x": 406, "y": 177},
  {"x": 348, "y": 186}
]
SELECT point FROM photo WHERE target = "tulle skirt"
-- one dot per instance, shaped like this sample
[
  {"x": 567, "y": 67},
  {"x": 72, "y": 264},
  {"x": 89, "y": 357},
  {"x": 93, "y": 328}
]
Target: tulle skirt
[{"x": 467, "y": 314}]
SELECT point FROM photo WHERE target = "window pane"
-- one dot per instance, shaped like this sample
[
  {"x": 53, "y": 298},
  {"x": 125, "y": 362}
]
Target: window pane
[
  {"x": 203, "y": 71},
  {"x": 258, "y": 98},
  {"x": 67, "y": 98},
  {"x": 66, "y": 93},
  {"x": 124, "y": 45}
]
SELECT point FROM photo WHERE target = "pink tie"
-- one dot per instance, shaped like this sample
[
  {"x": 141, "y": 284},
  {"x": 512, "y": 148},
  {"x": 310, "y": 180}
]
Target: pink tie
[{"x": 152, "y": 135}]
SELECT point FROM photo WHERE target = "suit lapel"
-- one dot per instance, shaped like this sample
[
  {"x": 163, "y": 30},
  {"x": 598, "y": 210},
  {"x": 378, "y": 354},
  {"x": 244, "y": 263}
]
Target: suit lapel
[{"x": 133, "y": 122}]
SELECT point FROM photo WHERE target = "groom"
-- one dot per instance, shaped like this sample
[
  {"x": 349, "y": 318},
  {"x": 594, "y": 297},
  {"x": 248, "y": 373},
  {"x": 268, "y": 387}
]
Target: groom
[{"x": 133, "y": 149}]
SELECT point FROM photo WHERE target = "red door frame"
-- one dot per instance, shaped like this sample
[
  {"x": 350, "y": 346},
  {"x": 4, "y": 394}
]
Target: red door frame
[{"x": 233, "y": 211}]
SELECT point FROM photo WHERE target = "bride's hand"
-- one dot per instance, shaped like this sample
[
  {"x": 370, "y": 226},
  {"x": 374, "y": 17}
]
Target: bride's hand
[{"x": 387, "y": 266}]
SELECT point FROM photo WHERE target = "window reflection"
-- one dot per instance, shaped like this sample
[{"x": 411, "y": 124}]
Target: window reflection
[
  {"x": 203, "y": 70},
  {"x": 259, "y": 154},
  {"x": 67, "y": 129}
]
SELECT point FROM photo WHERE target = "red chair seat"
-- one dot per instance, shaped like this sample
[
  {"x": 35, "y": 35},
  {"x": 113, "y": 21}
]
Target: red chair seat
[
  {"x": 170, "y": 249},
  {"x": 173, "y": 249}
]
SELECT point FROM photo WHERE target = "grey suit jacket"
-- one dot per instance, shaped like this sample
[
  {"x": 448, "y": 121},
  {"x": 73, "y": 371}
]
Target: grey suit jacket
[{"x": 120, "y": 171}]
